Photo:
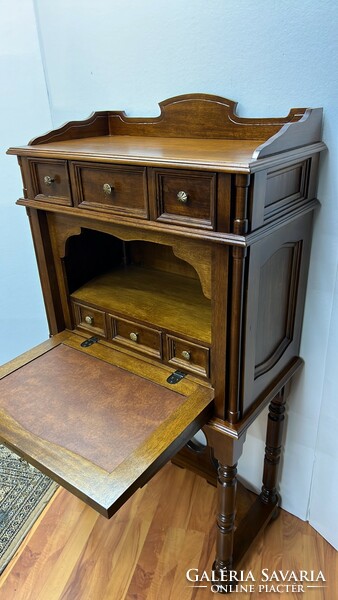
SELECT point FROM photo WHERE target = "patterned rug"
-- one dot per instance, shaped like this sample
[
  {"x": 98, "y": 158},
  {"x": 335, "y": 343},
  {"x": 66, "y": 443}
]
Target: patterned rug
[{"x": 24, "y": 492}]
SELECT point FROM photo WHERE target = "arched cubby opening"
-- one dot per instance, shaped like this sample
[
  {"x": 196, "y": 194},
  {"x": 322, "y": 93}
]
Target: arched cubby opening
[{"x": 139, "y": 296}]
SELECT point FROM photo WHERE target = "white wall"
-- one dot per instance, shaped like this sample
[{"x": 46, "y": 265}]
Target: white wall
[
  {"x": 270, "y": 56},
  {"x": 325, "y": 480},
  {"x": 24, "y": 111}
]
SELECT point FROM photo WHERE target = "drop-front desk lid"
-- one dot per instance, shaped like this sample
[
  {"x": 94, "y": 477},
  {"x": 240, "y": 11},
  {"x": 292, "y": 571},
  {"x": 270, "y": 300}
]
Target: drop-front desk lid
[{"x": 98, "y": 421}]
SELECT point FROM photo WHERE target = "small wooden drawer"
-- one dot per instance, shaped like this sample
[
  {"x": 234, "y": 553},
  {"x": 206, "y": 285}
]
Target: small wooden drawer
[
  {"x": 188, "y": 356},
  {"x": 49, "y": 181},
  {"x": 90, "y": 319},
  {"x": 112, "y": 188},
  {"x": 185, "y": 197},
  {"x": 137, "y": 337}
]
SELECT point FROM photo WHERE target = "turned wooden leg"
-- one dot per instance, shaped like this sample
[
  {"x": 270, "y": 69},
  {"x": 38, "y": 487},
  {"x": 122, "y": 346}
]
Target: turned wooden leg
[
  {"x": 273, "y": 448},
  {"x": 227, "y": 451},
  {"x": 226, "y": 487}
]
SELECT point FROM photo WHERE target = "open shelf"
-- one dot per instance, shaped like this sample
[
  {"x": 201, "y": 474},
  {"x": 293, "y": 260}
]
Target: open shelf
[{"x": 169, "y": 301}]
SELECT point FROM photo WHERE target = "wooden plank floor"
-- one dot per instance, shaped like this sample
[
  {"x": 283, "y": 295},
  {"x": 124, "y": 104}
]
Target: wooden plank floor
[{"x": 144, "y": 551}]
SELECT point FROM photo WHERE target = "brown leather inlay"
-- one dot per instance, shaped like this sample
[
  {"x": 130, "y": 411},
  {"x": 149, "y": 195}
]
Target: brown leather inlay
[{"x": 89, "y": 407}]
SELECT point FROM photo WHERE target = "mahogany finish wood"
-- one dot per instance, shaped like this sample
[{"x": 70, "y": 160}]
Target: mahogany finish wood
[
  {"x": 181, "y": 242},
  {"x": 126, "y": 191},
  {"x": 136, "y": 336},
  {"x": 49, "y": 181},
  {"x": 227, "y": 488},
  {"x": 166, "y": 300},
  {"x": 197, "y": 209},
  {"x": 222, "y": 155},
  {"x": 273, "y": 447}
]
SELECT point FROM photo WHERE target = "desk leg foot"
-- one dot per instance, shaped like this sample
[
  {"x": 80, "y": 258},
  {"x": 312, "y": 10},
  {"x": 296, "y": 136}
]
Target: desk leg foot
[
  {"x": 226, "y": 488},
  {"x": 273, "y": 448},
  {"x": 275, "y": 513}
]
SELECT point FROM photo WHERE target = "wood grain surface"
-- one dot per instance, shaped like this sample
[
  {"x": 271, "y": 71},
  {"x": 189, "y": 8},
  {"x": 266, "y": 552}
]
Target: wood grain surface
[
  {"x": 88, "y": 403},
  {"x": 173, "y": 302},
  {"x": 99, "y": 430},
  {"x": 226, "y": 154},
  {"x": 143, "y": 553}
]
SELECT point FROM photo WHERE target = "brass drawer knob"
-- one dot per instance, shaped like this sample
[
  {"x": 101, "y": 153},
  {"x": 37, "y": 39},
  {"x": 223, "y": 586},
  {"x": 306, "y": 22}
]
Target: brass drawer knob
[
  {"x": 89, "y": 319},
  {"x": 182, "y": 197},
  {"x": 107, "y": 188},
  {"x": 48, "y": 180},
  {"x": 186, "y": 355},
  {"x": 133, "y": 336}
]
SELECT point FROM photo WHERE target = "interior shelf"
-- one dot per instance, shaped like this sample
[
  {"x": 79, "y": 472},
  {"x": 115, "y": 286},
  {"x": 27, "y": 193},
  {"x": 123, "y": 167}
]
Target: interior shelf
[{"x": 166, "y": 300}]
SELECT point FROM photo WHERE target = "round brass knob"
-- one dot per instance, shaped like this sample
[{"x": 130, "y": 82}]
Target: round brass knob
[
  {"x": 186, "y": 354},
  {"x": 48, "y": 180},
  {"x": 89, "y": 319},
  {"x": 133, "y": 337},
  {"x": 107, "y": 188},
  {"x": 182, "y": 197}
]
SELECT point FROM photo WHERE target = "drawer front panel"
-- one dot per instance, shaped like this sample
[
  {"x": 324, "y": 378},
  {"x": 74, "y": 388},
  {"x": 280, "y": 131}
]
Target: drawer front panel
[
  {"x": 188, "y": 356},
  {"x": 117, "y": 189},
  {"x": 135, "y": 336},
  {"x": 186, "y": 197},
  {"x": 90, "y": 319},
  {"x": 49, "y": 181}
]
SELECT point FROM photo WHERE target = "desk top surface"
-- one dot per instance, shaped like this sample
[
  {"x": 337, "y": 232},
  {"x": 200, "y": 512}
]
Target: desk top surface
[{"x": 215, "y": 153}]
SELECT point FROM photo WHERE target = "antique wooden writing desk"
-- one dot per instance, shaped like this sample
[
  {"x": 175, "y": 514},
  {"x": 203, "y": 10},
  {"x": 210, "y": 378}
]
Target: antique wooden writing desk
[{"x": 173, "y": 255}]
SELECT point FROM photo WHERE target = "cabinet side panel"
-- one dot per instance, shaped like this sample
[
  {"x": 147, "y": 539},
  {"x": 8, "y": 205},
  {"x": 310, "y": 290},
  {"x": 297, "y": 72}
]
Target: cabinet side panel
[
  {"x": 277, "y": 279},
  {"x": 283, "y": 189}
]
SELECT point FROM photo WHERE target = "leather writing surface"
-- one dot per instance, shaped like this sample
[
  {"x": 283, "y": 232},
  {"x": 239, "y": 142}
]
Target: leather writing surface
[{"x": 88, "y": 406}]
